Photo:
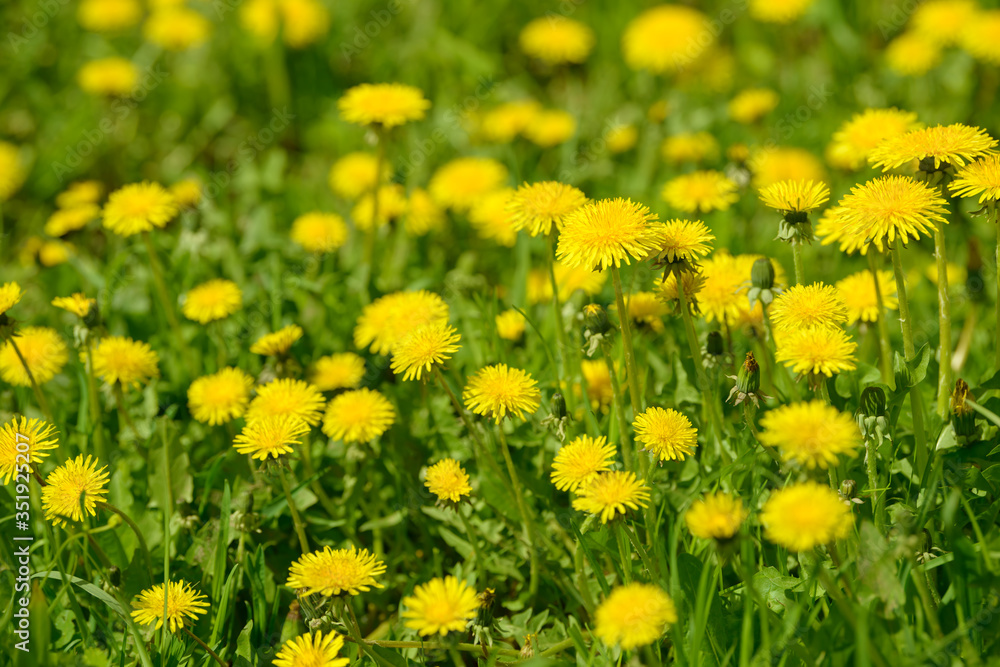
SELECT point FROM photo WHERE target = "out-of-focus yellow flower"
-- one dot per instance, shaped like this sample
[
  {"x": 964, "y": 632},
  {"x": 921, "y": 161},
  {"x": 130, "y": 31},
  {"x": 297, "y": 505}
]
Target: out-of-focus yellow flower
[
  {"x": 666, "y": 38},
  {"x": 177, "y": 29},
  {"x": 556, "y": 40},
  {"x": 108, "y": 76}
]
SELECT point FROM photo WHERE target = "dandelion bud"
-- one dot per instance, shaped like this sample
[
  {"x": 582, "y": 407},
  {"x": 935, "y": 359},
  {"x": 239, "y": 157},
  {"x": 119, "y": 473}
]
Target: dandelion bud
[
  {"x": 528, "y": 650},
  {"x": 849, "y": 489},
  {"x": 748, "y": 380},
  {"x": 115, "y": 576},
  {"x": 762, "y": 274},
  {"x": 873, "y": 402},
  {"x": 963, "y": 418},
  {"x": 487, "y": 600},
  {"x": 558, "y": 405},
  {"x": 595, "y": 319},
  {"x": 714, "y": 345},
  {"x": 871, "y": 414}
]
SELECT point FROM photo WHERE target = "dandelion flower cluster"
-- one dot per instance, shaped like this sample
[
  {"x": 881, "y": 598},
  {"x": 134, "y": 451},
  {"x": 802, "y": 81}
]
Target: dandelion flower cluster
[
  {"x": 221, "y": 397},
  {"x": 66, "y": 220},
  {"x": 716, "y": 516},
  {"x": 498, "y": 391},
  {"x": 666, "y": 38},
  {"x": 128, "y": 362},
  {"x": 360, "y": 415},
  {"x": 634, "y": 615},
  {"x": 701, "y": 192},
  {"x": 183, "y": 605},
  {"x": 947, "y": 145},
  {"x": 579, "y": 462},
  {"x": 795, "y": 196},
  {"x": 338, "y": 371},
  {"x": 812, "y": 434},
  {"x": 74, "y": 488},
  {"x": 607, "y": 233},
  {"x": 332, "y": 572},
  {"x": 448, "y": 481},
  {"x": 277, "y": 343},
  {"x": 389, "y": 319},
  {"x": 312, "y": 650},
  {"x": 384, "y": 104},
  {"x": 24, "y": 441},
  {"x": 556, "y": 40},
  {"x": 275, "y": 436},
  {"x": 668, "y": 434},
  {"x": 43, "y": 350},
  {"x": 319, "y": 232},
  {"x": 440, "y": 606},
  {"x": 354, "y": 175},
  {"x": 803, "y": 306},
  {"x": 979, "y": 178},
  {"x": 139, "y": 207},
  {"x": 459, "y": 184},
  {"x": 287, "y": 396},
  {"x": 858, "y": 293},
  {"x": 816, "y": 351},
  {"x": 213, "y": 300},
  {"x": 612, "y": 494},
  {"x": 423, "y": 349},
  {"x": 538, "y": 207},
  {"x": 802, "y": 516},
  {"x": 108, "y": 76},
  {"x": 864, "y": 132}
]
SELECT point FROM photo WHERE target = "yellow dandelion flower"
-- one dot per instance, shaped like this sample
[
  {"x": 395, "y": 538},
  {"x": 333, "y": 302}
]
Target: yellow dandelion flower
[
  {"x": 600, "y": 389},
  {"x": 24, "y": 441},
  {"x": 360, "y": 415},
  {"x": 550, "y": 128},
  {"x": 305, "y": 22},
  {"x": 981, "y": 37},
  {"x": 74, "y": 488},
  {"x": 634, "y": 615},
  {"x": 187, "y": 193},
  {"x": 286, "y": 396},
  {"x": 795, "y": 196},
  {"x": 498, "y": 391},
  {"x": 621, "y": 138},
  {"x": 693, "y": 284},
  {"x": 108, "y": 76},
  {"x": 689, "y": 147},
  {"x": 685, "y": 241},
  {"x": 43, "y": 350},
  {"x": 666, "y": 38},
  {"x": 854, "y": 141},
  {"x": 812, "y": 434},
  {"x": 887, "y": 208},
  {"x": 183, "y": 605},
  {"x": 579, "y": 462},
  {"x": 782, "y": 163},
  {"x": 491, "y": 219},
  {"x": 212, "y": 300},
  {"x": 80, "y": 193},
  {"x": 911, "y": 54},
  {"x": 391, "y": 205},
  {"x": 461, "y": 183},
  {"x": 423, "y": 215},
  {"x": 338, "y": 371},
  {"x": 716, "y": 516},
  {"x": 803, "y": 306},
  {"x": 388, "y": 319},
  {"x": 54, "y": 252},
  {"x": 10, "y": 295},
  {"x": 941, "y": 145},
  {"x": 312, "y": 650},
  {"x": 611, "y": 494},
  {"x": 943, "y": 21},
  {"x": 221, "y": 397},
  {"x": 108, "y": 15},
  {"x": 423, "y": 349},
  {"x": 607, "y": 232},
  {"x": 778, "y": 11},
  {"x": 139, "y": 207},
  {"x": 385, "y": 104},
  {"x": 556, "y": 39},
  {"x": 646, "y": 308},
  {"x": 319, "y": 232},
  {"x": 177, "y": 28},
  {"x": 956, "y": 274},
  {"x": 701, "y": 192},
  {"x": 723, "y": 294},
  {"x": 981, "y": 177},
  {"x": 271, "y": 436},
  {"x": 332, "y": 572},
  {"x": 12, "y": 170},
  {"x": 66, "y": 220},
  {"x": 503, "y": 123},
  {"x": 278, "y": 343},
  {"x": 857, "y": 291},
  {"x": 802, "y": 516},
  {"x": 440, "y": 606},
  {"x": 510, "y": 325},
  {"x": 125, "y": 361},
  {"x": 752, "y": 104},
  {"x": 354, "y": 175},
  {"x": 448, "y": 481},
  {"x": 538, "y": 207},
  {"x": 668, "y": 434},
  {"x": 816, "y": 351}
]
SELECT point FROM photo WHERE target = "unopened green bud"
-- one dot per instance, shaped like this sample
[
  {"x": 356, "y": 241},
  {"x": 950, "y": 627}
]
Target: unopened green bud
[
  {"x": 595, "y": 319},
  {"x": 487, "y": 600},
  {"x": 748, "y": 378},
  {"x": 558, "y": 405},
  {"x": 849, "y": 489},
  {"x": 762, "y": 274},
  {"x": 115, "y": 576},
  {"x": 872, "y": 402},
  {"x": 714, "y": 344},
  {"x": 963, "y": 417}
]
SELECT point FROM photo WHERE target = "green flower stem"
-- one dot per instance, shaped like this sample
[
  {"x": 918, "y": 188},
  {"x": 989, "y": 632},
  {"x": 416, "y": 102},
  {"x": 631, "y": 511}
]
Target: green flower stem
[
  {"x": 435, "y": 646},
  {"x": 316, "y": 487},
  {"x": 711, "y": 405},
  {"x": 477, "y": 559},
  {"x": 529, "y": 530},
  {"x": 300, "y": 531},
  {"x": 582, "y": 581},
  {"x": 654, "y": 572},
  {"x": 748, "y": 417},
  {"x": 944, "y": 324},
  {"x": 883, "y": 326},
  {"x": 562, "y": 346},
  {"x": 635, "y": 396},
  {"x": 135, "y": 529},
  {"x": 369, "y": 249},
  {"x": 95, "y": 404},
  {"x": 623, "y": 553},
  {"x": 878, "y": 501},
  {"x": 916, "y": 402},
  {"x": 161, "y": 286},
  {"x": 703, "y": 604},
  {"x": 204, "y": 647},
  {"x": 122, "y": 410},
  {"x": 168, "y": 507},
  {"x": 43, "y": 404},
  {"x": 797, "y": 259},
  {"x": 623, "y": 433}
]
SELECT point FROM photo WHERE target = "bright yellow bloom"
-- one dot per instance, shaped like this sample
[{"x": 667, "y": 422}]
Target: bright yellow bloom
[
  {"x": 498, "y": 391},
  {"x": 723, "y": 294},
  {"x": 716, "y": 516},
  {"x": 802, "y": 516},
  {"x": 911, "y": 54},
  {"x": 693, "y": 284},
  {"x": 440, "y": 606},
  {"x": 634, "y": 615},
  {"x": 943, "y": 21},
  {"x": 319, "y": 232},
  {"x": 981, "y": 177},
  {"x": 666, "y": 38},
  {"x": 550, "y": 128},
  {"x": 812, "y": 434},
  {"x": 286, "y": 396},
  {"x": 123, "y": 360},
  {"x": 12, "y": 170},
  {"x": 335, "y": 572},
  {"x": 607, "y": 232},
  {"x": 510, "y": 325},
  {"x": 354, "y": 175},
  {"x": 600, "y": 389},
  {"x": 177, "y": 28},
  {"x": 187, "y": 193},
  {"x": 503, "y": 123},
  {"x": 74, "y": 488},
  {"x": 10, "y": 295},
  {"x": 43, "y": 350},
  {"x": 360, "y": 415},
  {"x": 108, "y": 76},
  {"x": 80, "y": 193},
  {"x": 183, "y": 605},
  {"x": 947, "y": 145},
  {"x": 24, "y": 441},
  {"x": 422, "y": 215},
  {"x": 646, "y": 308},
  {"x": 312, "y": 650},
  {"x": 220, "y": 397},
  {"x": 139, "y": 207},
  {"x": 981, "y": 37},
  {"x": 886, "y": 208},
  {"x": 612, "y": 494},
  {"x": 391, "y": 205},
  {"x": 212, "y": 300},
  {"x": 621, "y": 138},
  {"x": 385, "y": 104},
  {"x": 795, "y": 196},
  {"x": 859, "y": 136},
  {"x": 278, "y": 343},
  {"x": 556, "y": 40},
  {"x": 778, "y": 11},
  {"x": 579, "y": 462},
  {"x": 447, "y": 480},
  {"x": 816, "y": 351},
  {"x": 538, "y": 207},
  {"x": 338, "y": 371},
  {"x": 108, "y": 15},
  {"x": 782, "y": 163},
  {"x": 271, "y": 436},
  {"x": 492, "y": 220},
  {"x": 689, "y": 147},
  {"x": 857, "y": 291},
  {"x": 66, "y": 220},
  {"x": 388, "y": 319},
  {"x": 668, "y": 434},
  {"x": 54, "y": 252},
  {"x": 685, "y": 241},
  {"x": 423, "y": 349},
  {"x": 803, "y": 306},
  {"x": 752, "y": 104},
  {"x": 461, "y": 183},
  {"x": 701, "y": 192}
]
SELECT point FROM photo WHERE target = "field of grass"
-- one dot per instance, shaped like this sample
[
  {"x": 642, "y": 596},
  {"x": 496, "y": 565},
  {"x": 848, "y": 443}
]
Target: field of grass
[{"x": 410, "y": 332}]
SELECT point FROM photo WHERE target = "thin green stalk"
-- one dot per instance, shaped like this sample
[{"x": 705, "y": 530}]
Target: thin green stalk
[
  {"x": 916, "y": 402},
  {"x": 711, "y": 405},
  {"x": 369, "y": 248},
  {"x": 623, "y": 553},
  {"x": 161, "y": 286},
  {"x": 996, "y": 362},
  {"x": 944, "y": 326},
  {"x": 529, "y": 530},
  {"x": 582, "y": 581},
  {"x": 647, "y": 562},
  {"x": 477, "y": 559},
  {"x": 300, "y": 531},
  {"x": 878, "y": 501},
  {"x": 885, "y": 348},
  {"x": 635, "y": 396},
  {"x": 135, "y": 529},
  {"x": 748, "y": 417},
  {"x": 619, "y": 402},
  {"x": 204, "y": 647},
  {"x": 797, "y": 259},
  {"x": 702, "y": 605},
  {"x": 168, "y": 505},
  {"x": 95, "y": 404},
  {"x": 561, "y": 345},
  {"x": 122, "y": 410},
  {"x": 43, "y": 404}
]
